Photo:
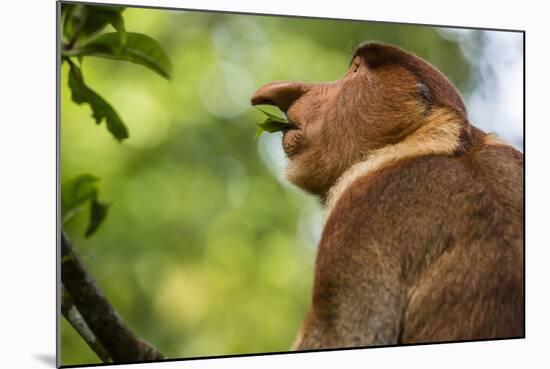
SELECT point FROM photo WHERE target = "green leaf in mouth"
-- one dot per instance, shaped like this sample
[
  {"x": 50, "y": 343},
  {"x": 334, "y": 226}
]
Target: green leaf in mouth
[{"x": 272, "y": 124}]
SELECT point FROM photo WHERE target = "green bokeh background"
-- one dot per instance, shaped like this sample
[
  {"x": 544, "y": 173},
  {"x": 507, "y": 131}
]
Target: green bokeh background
[{"x": 206, "y": 249}]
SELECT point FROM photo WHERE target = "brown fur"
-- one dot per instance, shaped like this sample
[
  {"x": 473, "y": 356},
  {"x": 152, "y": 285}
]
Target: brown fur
[
  {"x": 423, "y": 239},
  {"x": 431, "y": 138}
]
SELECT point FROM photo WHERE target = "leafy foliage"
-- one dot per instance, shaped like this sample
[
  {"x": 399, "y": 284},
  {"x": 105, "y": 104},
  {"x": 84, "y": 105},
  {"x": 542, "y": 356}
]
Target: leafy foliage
[
  {"x": 81, "y": 28},
  {"x": 98, "y": 212},
  {"x": 80, "y": 22},
  {"x": 138, "y": 48},
  {"x": 76, "y": 192},
  {"x": 101, "y": 109}
]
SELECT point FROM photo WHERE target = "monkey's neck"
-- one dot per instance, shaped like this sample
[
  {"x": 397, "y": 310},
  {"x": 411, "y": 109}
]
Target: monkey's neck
[{"x": 440, "y": 134}]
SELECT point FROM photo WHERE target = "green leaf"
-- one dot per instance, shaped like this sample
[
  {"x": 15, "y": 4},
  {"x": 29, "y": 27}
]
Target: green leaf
[
  {"x": 274, "y": 117},
  {"x": 101, "y": 109},
  {"x": 272, "y": 124},
  {"x": 139, "y": 49},
  {"x": 73, "y": 16},
  {"x": 81, "y": 22},
  {"x": 98, "y": 212},
  {"x": 75, "y": 192},
  {"x": 118, "y": 23},
  {"x": 98, "y": 17},
  {"x": 65, "y": 8}
]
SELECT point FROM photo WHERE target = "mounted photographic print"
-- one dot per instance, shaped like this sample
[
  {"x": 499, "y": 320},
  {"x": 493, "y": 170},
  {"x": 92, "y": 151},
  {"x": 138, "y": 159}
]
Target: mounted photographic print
[{"x": 240, "y": 184}]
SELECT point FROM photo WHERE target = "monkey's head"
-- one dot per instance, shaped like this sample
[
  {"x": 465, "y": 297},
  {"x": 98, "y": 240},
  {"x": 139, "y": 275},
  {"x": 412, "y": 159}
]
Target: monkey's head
[{"x": 386, "y": 95}]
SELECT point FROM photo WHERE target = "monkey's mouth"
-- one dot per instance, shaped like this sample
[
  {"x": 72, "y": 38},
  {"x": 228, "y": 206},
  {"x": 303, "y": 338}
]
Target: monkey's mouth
[
  {"x": 290, "y": 127},
  {"x": 292, "y": 136}
]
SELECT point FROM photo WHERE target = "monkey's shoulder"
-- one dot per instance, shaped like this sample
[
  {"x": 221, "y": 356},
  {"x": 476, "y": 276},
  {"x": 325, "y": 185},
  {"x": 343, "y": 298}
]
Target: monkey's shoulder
[
  {"x": 500, "y": 168},
  {"x": 414, "y": 195},
  {"x": 417, "y": 179}
]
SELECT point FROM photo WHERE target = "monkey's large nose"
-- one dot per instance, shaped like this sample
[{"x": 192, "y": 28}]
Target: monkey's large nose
[{"x": 281, "y": 94}]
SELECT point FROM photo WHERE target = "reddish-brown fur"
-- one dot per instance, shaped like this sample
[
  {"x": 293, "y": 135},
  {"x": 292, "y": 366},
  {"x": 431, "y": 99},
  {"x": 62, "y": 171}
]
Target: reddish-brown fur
[{"x": 423, "y": 239}]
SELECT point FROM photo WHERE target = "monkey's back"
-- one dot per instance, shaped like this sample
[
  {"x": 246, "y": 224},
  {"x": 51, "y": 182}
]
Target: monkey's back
[
  {"x": 474, "y": 288},
  {"x": 451, "y": 227}
]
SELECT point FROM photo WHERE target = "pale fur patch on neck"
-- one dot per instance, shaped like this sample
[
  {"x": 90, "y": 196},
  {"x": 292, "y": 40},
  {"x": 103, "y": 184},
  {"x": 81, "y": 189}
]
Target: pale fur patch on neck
[
  {"x": 493, "y": 139},
  {"x": 438, "y": 135}
]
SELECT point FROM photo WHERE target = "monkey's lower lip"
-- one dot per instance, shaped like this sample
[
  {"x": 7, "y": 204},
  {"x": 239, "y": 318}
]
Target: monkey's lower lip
[{"x": 291, "y": 140}]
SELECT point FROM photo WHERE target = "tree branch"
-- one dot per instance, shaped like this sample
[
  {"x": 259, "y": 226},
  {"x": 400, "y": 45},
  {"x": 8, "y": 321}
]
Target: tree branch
[
  {"x": 103, "y": 320},
  {"x": 71, "y": 313}
]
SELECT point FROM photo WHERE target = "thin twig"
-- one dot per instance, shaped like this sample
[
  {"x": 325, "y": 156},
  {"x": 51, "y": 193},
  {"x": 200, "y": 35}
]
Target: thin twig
[{"x": 100, "y": 316}]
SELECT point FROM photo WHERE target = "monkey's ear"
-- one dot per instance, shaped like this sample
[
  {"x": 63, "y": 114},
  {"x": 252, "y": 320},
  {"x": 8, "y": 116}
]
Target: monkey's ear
[{"x": 425, "y": 95}]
